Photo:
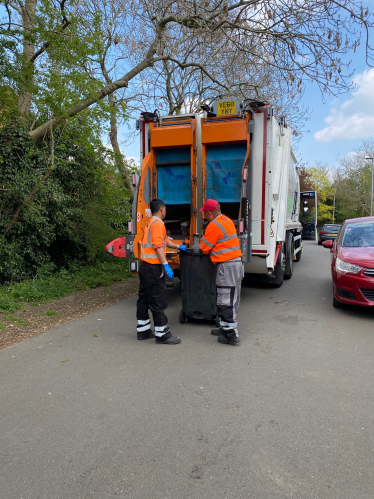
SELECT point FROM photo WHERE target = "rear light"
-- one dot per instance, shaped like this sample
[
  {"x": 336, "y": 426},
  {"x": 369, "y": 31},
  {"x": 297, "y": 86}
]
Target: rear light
[
  {"x": 133, "y": 179},
  {"x": 241, "y": 226},
  {"x": 323, "y": 232},
  {"x": 129, "y": 226},
  {"x": 133, "y": 266},
  {"x": 245, "y": 173}
]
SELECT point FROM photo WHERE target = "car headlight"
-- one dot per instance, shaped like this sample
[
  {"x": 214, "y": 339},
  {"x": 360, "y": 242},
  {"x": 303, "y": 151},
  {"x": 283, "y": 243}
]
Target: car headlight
[{"x": 345, "y": 267}]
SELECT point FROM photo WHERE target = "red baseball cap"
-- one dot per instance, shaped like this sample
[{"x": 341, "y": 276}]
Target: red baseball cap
[{"x": 210, "y": 205}]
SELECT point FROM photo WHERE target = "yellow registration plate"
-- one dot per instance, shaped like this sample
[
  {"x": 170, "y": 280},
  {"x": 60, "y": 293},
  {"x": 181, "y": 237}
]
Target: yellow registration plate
[
  {"x": 331, "y": 235},
  {"x": 226, "y": 108}
]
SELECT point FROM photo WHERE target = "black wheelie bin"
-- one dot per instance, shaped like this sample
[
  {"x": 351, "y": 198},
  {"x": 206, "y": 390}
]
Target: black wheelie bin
[{"x": 198, "y": 285}]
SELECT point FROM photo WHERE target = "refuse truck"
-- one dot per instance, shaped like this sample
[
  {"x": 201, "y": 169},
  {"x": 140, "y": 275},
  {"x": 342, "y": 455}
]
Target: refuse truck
[{"x": 236, "y": 152}]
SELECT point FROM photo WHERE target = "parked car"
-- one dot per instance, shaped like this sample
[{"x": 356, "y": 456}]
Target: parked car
[
  {"x": 352, "y": 263},
  {"x": 309, "y": 231},
  {"x": 328, "y": 231}
]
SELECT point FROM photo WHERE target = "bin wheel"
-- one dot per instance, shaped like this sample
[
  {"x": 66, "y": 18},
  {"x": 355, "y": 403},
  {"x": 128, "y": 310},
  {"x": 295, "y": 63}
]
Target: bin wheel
[{"x": 182, "y": 317}]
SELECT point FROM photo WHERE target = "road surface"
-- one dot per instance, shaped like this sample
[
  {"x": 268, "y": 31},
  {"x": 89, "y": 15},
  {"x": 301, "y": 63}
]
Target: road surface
[{"x": 89, "y": 411}]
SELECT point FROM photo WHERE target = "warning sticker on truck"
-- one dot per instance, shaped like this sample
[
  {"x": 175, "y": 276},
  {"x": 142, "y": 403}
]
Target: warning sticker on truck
[{"x": 226, "y": 107}]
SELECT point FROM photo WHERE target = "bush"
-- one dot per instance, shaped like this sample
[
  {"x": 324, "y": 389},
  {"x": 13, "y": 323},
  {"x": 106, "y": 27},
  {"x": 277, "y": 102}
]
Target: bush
[
  {"x": 80, "y": 207},
  {"x": 45, "y": 287}
]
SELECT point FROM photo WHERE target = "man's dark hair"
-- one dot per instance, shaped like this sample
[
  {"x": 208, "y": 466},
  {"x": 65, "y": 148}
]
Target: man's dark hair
[{"x": 155, "y": 205}]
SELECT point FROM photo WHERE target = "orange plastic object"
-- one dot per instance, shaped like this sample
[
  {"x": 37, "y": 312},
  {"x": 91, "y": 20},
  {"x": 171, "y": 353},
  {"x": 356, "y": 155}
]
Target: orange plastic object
[
  {"x": 223, "y": 131},
  {"x": 117, "y": 247},
  {"x": 170, "y": 136}
]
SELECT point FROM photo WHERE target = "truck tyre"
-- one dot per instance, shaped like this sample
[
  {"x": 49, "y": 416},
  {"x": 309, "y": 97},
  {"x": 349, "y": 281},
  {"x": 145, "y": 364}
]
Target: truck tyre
[
  {"x": 280, "y": 269},
  {"x": 290, "y": 245},
  {"x": 298, "y": 254}
]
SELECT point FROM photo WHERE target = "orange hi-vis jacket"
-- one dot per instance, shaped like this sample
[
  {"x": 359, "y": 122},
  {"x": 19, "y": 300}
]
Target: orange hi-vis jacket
[
  {"x": 220, "y": 240},
  {"x": 154, "y": 237}
]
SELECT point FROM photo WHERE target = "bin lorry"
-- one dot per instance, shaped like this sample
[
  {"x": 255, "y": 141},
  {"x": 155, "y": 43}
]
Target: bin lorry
[{"x": 234, "y": 152}]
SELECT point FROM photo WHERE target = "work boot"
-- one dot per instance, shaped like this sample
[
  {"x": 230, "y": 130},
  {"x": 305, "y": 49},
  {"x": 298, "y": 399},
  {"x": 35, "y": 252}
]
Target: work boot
[
  {"x": 167, "y": 339},
  {"x": 146, "y": 335},
  {"x": 234, "y": 340},
  {"x": 216, "y": 331},
  {"x": 222, "y": 338}
]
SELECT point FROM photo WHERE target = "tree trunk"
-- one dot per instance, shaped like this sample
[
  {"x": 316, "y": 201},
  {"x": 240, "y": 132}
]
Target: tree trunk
[
  {"x": 101, "y": 94},
  {"x": 28, "y": 21},
  {"x": 118, "y": 156}
]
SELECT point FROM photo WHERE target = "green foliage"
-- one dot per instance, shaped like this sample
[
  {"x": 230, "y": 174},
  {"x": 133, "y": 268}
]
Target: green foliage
[
  {"x": 74, "y": 213},
  {"x": 353, "y": 192},
  {"x": 318, "y": 179},
  {"x": 47, "y": 286}
]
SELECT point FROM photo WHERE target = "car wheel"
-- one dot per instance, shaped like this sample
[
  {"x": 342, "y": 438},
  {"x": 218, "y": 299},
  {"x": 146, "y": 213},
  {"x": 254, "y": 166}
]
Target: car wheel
[
  {"x": 336, "y": 303},
  {"x": 319, "y": 243}
]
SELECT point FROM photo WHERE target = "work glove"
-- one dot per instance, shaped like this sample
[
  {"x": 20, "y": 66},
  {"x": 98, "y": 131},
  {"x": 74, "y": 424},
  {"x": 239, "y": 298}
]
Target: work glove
[
  {"x": 168, "y": 270},
  {"x": 182, "y": 247}
]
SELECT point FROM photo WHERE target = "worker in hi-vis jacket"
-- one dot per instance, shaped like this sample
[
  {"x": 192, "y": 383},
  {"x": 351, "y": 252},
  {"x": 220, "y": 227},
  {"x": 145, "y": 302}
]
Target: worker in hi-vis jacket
[
  {"x": 152, "y": 287},
  {"x": 220, "y": 241}
]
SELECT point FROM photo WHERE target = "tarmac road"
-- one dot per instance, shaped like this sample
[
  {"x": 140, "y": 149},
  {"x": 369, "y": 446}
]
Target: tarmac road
[{"x": 288, "y": 414}]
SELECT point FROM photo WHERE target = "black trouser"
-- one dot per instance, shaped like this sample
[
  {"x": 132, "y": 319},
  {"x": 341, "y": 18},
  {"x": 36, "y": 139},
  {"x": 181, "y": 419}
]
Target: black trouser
[{"x": 152, "y": 296}]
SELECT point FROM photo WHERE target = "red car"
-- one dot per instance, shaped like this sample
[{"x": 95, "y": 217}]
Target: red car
[{"x": 352, "y": 263}]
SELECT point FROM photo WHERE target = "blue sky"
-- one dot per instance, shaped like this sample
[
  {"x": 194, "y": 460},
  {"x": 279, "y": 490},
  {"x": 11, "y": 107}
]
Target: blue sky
[
  {"x": 340, "y": 124},
  {"x": 337, "y": 125}
]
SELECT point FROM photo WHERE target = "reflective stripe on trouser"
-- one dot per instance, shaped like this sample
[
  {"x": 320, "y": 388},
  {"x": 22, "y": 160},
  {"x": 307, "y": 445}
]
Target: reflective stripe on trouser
[
  {"x": 153, "y": 297},
  {"x": 229, "y": 281},
  {"x": 143, "y": 325}
]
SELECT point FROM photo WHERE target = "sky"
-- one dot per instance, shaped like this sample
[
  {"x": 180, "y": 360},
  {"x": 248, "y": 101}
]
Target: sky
[
  {"x": 340, "y": 124},
  {"x": 337, "y": 125}
]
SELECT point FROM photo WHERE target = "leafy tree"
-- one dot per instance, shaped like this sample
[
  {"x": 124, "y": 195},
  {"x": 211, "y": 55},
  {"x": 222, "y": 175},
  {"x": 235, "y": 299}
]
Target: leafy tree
[
  {"x": 45, "y": 42},
  {"x": 353, "y": 182},
  {"x": 80, "y": 203},
  {"x": 318, "y": 178},
  {"x": 306, "y": 182}
]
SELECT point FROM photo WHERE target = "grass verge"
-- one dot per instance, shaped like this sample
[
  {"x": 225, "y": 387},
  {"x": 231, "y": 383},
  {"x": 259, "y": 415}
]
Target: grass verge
[{"x": 51, "y": 287}]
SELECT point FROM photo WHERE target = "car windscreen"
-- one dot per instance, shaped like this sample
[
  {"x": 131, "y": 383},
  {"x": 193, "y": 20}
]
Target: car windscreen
[
  {"x": 335, "y": 228},
  {"x": 358, "y": 235}
]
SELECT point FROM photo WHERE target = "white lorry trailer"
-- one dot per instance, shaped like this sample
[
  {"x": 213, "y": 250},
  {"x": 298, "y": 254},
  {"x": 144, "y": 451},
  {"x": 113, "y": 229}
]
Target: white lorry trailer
[{"x": 240, "y": 155}]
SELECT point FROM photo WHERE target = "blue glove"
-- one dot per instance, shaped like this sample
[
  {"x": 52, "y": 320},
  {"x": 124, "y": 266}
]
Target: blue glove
[
  {"x": 168, "y": 270},
  {"x": 182, "y": 247}
]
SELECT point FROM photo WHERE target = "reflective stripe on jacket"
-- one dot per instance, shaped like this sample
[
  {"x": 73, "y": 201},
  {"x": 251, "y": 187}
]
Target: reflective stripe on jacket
[
  {"x": 220, "y": 240},
  {"x": 154, "y": 237}
]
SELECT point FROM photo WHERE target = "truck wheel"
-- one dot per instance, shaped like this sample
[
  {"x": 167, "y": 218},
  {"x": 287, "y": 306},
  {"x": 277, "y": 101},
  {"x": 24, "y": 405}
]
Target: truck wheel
[
  {"x": 298, "y": 254},
  {"x": 182, "y": 317},
  {"x": 290, "y": 245},
  {"x": 280, "y": 269}
]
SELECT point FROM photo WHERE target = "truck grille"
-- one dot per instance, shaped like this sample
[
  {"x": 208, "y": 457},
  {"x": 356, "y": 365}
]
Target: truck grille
[
  {"x": 369, "y": 272},
  {"x": 368, "y": 293}
]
